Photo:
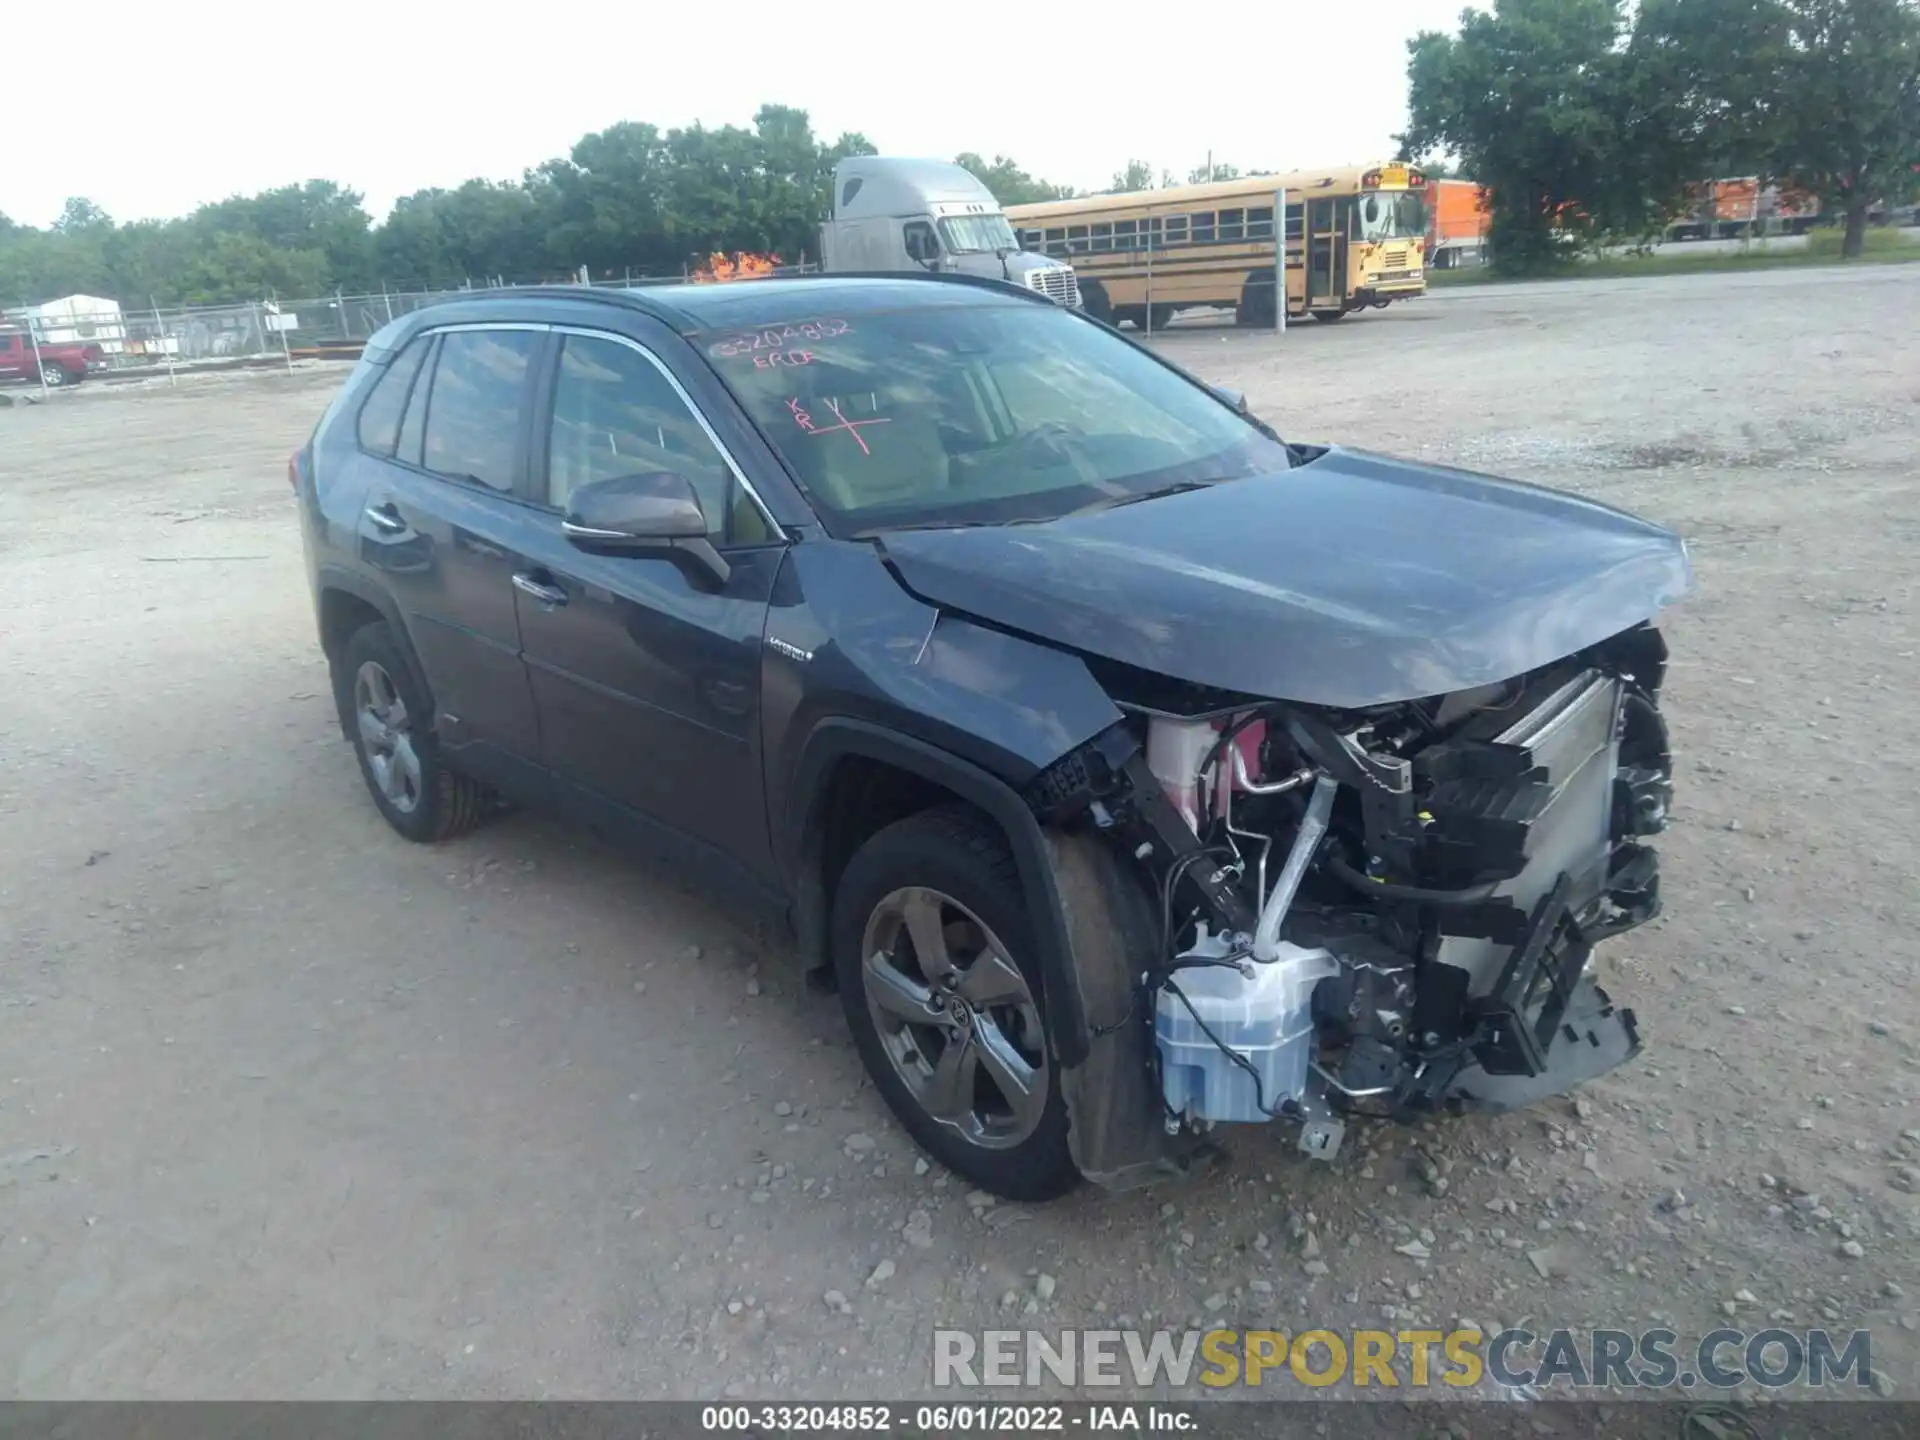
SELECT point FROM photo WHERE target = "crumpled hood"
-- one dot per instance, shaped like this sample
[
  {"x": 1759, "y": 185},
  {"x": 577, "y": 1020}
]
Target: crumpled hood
[{"x": 1353, "y": 580}]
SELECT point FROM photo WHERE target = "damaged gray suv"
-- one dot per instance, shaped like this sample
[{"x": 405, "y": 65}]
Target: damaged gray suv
[{"x": 1132, "y": 771}]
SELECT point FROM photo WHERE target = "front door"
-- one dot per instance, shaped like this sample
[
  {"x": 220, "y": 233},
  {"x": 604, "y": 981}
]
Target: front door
[
  {"x": 440, "y": 522},
  {"x": 646, "y": 676},
  {"x": 1326, "y": 254}
]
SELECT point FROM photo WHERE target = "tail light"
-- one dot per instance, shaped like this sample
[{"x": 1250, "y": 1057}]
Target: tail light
[{"x": 293, "y": 470}]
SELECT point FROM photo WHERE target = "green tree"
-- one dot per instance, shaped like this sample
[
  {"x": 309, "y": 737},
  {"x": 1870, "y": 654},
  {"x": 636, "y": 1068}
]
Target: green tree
[
  {"x": 1712, "y": 70},
  {"x": 1009, "y": 183},
  {"x": 80, "y": 216},
  {"x": 1848, "y": 120},
  {"x": 481, "y": 230},
  {"x": 1212, "y": 171},
  {"x": 1546, "y": 104},
  {"x": 1137, "y": 176},
  {"x": 318, "y": 216},
  {"x": 233, "y": 265}
]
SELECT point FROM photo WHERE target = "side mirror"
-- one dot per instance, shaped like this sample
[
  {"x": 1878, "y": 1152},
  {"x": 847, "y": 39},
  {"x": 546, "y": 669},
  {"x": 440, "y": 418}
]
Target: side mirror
[{"x": 653, "y": 512}]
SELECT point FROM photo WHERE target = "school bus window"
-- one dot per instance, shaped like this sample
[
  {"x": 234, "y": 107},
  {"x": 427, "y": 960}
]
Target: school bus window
[
  {"x": 1029, "y": 239},
  {"x": 1202, "y": 228},
  {"x": 1232, "y": 224},
  {"x": 1260, "y": 224},
  {"x": 1176, "y": 229},
  {"x": 1295, "y": 224},
  {"x": 1126, "y": 235},
  {"x": 1057, "y": 241},
  {"x": 1076, "y": 237},
  {"x": 1103, "y": 237}
]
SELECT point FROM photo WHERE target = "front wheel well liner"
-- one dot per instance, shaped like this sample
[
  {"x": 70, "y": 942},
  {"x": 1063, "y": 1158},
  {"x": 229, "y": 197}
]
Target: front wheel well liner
[
  {"x": 860, "y": 796},
  {"x": 892, "y": 775}
]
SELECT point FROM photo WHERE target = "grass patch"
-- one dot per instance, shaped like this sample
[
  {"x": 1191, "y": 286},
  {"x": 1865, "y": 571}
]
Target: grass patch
[{"x": 1822, "y": 247}]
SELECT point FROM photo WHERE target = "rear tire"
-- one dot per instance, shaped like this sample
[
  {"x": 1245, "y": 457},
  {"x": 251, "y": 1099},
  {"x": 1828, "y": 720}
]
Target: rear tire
[
  {"x": 55, "y": 377},
  {"x": 387, "y": 714},
  {"x": 1327, "y": 317},
  {"x": 1255, "y": 309},
  {"x": 936, "y": 970}
]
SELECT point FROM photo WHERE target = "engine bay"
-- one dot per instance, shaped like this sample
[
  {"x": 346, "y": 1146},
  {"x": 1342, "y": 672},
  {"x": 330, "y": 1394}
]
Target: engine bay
[{"x": 1381, "y": 911}]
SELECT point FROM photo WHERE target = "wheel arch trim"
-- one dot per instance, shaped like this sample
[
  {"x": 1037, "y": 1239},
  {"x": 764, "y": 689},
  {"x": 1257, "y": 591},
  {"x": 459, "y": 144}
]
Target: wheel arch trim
[
  {"x": 347, "y": 582},
  {"x": 838, "y": 738}
]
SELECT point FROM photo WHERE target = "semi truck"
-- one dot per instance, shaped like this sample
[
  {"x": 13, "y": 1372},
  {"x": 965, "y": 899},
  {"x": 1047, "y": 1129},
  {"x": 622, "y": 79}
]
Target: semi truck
[
  {"x": 1456, "y": 224},
  {"x": 891, "y": 213},
  {"x": 1742, "y": 207}
]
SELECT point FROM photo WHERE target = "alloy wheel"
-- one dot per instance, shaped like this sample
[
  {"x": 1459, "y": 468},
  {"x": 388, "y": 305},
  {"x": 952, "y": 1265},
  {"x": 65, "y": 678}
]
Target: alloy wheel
[
  {"x": 955, "y": 1016},
  {"x": 386, "y": 736}
]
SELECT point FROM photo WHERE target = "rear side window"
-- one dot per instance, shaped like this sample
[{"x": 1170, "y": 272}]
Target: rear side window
[
  {"x": 387, "y": 401},
  {"x": 473, "y": 411}
]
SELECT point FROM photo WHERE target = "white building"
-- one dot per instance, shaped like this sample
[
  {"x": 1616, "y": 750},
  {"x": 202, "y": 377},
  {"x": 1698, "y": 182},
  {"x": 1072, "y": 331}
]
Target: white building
[{"x": 77, "y": 318}]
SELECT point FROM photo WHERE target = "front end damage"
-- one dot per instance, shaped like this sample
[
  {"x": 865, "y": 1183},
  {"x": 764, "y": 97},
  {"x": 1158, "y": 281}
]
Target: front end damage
[{"x": 1385, "y": 911}]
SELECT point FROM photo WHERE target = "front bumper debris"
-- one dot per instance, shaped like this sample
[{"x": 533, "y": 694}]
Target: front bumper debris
[{"x": 1592, "y": 1036}]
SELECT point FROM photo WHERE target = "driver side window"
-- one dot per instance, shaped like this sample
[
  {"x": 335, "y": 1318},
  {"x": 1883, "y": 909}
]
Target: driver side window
[
  {"x": 922, "y": 245},
  {"x": 615, "y": 413}
]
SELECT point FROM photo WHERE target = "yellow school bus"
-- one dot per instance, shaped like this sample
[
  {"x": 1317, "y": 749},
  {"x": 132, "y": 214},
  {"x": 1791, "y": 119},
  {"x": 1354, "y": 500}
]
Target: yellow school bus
[{"x": 1356, "y": 237}]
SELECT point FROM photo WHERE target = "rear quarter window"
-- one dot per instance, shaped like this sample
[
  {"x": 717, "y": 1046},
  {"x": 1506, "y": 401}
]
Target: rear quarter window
[{"x": 380, "y": 413}]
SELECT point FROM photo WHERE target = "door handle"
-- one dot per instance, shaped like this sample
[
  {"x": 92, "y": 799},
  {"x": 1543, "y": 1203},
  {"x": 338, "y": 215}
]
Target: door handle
[
  {"x": 385, "y": 518},
  {"x": 539, "y": 589}
]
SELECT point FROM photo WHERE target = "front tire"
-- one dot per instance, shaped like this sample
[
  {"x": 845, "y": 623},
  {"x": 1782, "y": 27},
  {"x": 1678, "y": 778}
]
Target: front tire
[
  {"x": 937, "y": 975},
  {"x": 387, "y": 714}
]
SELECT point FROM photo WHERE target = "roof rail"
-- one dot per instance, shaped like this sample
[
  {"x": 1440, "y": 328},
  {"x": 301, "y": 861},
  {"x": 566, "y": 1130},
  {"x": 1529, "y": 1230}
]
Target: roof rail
[{"x": 650, "y": 299}]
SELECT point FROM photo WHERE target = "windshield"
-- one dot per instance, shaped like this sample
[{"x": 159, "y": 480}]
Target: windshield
[
  {"x": 952, "y": 414},
  {"x": 965, "y": 234},
  {"x": 1390, "y": 215}
]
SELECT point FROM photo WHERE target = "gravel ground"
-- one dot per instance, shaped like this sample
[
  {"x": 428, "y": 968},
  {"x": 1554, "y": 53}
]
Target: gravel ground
[{"x": 291, "y": 1108}]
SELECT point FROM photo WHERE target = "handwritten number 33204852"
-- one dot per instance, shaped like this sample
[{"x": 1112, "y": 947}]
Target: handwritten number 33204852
[{"x": 767, "y": 347}]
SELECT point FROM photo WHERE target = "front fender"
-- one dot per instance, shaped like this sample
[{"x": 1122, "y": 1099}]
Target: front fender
[{"x": 835, "y": 739}]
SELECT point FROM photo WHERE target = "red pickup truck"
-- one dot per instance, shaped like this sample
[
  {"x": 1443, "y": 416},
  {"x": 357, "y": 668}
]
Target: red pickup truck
[{"x": 57, "y": 362}]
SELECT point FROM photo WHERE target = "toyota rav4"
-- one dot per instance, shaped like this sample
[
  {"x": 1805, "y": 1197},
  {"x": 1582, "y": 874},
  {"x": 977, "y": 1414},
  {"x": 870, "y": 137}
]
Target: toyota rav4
[{"x": 1130, "y": 770}]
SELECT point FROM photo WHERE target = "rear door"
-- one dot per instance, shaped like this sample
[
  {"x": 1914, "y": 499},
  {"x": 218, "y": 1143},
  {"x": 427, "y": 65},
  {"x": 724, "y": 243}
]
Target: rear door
[
  {"x": 647, "y": 677},
  {"x": 441, "y": 523}
]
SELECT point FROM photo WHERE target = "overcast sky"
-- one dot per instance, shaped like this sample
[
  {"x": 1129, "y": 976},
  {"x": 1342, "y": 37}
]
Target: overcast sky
[{"x": 156, "y": 108}]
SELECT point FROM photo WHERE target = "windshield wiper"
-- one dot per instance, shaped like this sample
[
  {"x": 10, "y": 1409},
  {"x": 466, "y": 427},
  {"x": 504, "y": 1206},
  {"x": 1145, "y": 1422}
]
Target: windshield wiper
[
  {"x": 875, "y": 532},
  {"x": 1179, "y": 487}
]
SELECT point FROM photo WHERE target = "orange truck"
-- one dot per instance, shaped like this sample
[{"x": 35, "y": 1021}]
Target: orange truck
[
  {"x": 1741, "y": 206},
  {"x": 1456, "y": 223}
]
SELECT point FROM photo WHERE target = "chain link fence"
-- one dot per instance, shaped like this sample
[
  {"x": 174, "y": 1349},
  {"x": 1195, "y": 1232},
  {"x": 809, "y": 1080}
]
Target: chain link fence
[{"x": 132, "y": 340}]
